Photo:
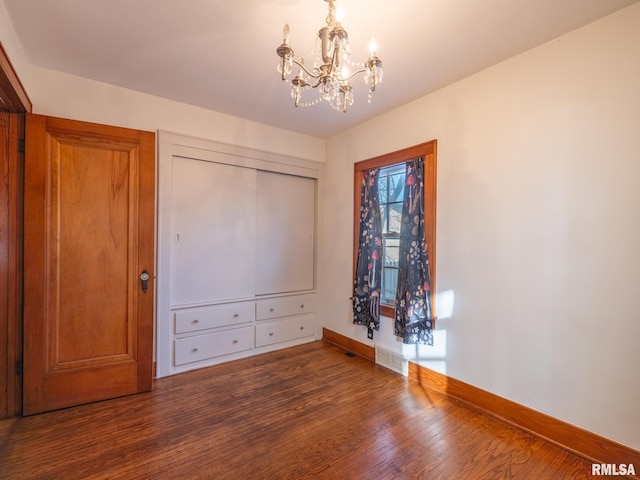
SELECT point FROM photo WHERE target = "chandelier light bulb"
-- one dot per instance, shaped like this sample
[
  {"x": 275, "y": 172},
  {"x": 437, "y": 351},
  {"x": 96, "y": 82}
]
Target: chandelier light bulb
[
  {"x": 373, "y": 47},
  {"x": 285, "y": 34},
  {"x": 340, "y": 14}
]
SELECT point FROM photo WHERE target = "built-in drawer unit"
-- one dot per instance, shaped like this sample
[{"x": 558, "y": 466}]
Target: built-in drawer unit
[
  {"x": 285, "y": 306},
  {"x": 289, "y": 328},
  {"x": 201, "y": 347},
  {"x": 196, "y": 319}
]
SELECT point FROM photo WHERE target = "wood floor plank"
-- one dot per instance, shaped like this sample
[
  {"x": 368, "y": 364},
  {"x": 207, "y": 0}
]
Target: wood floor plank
[{"x": 306, "y": 412}]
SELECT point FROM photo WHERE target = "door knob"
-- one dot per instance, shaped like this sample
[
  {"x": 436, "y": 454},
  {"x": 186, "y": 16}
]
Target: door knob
[{"x": 144, "y": 276}]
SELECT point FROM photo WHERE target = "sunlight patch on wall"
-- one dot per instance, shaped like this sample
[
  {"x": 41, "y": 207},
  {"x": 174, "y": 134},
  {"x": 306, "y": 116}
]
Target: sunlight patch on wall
[
  {"x": 434, "y": 357},
  {"x": 444, "y": 304}
]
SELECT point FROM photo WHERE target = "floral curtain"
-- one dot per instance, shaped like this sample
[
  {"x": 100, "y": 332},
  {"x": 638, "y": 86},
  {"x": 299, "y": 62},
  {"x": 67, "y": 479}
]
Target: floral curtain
[
  {"x": 366, "y": 294},
  {"x": 413, "y": 317}
]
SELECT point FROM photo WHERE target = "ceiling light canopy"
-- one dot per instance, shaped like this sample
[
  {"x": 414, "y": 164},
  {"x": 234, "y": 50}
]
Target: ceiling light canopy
[{"x": 330, "y": 72}]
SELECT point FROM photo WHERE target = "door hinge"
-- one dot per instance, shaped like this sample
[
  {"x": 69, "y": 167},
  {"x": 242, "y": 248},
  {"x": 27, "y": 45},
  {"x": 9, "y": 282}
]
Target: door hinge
[
  {"x": 19, "y": 367},
  {"x": 21, "y": 145}
]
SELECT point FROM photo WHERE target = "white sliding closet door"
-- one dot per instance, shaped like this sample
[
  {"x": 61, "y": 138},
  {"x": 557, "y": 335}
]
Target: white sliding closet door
[
  {"x": 286, "y": 207},
  {"x": 213, "y": 211}
]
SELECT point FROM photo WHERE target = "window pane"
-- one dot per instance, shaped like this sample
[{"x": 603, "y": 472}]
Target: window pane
[
  {"x": 382, "y": 187},
  {"x": 396, "y": 187},
  {"x": 390, "y": 194},
  {"x": 391, "y": 255},
  {"x": 390, "y": 269},
  {"x": 383, "y": 218},
  {"x": 395, "y": 217},
  {"x": 389, "y": 284}
]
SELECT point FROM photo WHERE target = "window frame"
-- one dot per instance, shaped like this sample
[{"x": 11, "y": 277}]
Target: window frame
[{"x": 428, "y": 151}]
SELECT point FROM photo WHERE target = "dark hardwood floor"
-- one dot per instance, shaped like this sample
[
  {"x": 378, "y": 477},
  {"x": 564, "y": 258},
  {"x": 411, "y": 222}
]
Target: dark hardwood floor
[{"x": 305, "y": 412}]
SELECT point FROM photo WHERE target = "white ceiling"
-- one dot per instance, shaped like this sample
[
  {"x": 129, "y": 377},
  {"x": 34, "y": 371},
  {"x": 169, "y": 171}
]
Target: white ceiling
[{"x": 221, "y": 54}]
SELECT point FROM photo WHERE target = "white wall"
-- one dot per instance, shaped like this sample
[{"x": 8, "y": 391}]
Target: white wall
[
  {"x": 62, "y": 95},
  {"x": 538, "y": 227}
]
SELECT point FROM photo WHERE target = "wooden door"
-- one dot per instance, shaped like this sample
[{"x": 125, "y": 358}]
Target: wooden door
[{"x": 89, "y": 234}]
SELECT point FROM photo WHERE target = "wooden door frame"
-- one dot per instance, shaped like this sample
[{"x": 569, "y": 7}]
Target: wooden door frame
[{"x": 14, "y": 103}]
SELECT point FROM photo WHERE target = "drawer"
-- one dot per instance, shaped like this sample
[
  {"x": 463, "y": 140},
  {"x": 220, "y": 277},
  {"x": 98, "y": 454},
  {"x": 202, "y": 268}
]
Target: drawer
[
  {"x": 201, "y": 347},
  {"x": 195, "y": 319},
  {"x": 285, "y": 306},
  {"x": 290, "y": 328}
]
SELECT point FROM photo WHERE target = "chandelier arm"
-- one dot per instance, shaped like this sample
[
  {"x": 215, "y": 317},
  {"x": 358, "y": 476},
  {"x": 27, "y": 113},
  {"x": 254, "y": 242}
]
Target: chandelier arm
[
  {"x": 312, "y": 75},
  {"x": 353, "y": 75}
]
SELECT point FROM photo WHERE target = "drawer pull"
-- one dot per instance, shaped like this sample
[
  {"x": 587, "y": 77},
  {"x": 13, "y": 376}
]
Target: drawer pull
[
  {"x": 234, "y": 342},
  {"x": 236, "y": 315},
  {"x": 271, "y": 309},
  {"x": 194, "y": 350},
  {"x": 302, "y": 306},
  {"x": 302, "y": 328},
  {"x": 271, "y": 334},
  {"x": 195, "y": 321}
]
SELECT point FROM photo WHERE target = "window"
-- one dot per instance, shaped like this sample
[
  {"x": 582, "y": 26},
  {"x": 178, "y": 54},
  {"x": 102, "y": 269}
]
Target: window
[
  {"x": 391, "y": 181},
  {"x": 390, "y": 191}
]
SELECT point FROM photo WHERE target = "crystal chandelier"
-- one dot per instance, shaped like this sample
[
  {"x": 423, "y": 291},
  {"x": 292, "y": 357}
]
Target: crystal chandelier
[{"x": 330, "y": 72}]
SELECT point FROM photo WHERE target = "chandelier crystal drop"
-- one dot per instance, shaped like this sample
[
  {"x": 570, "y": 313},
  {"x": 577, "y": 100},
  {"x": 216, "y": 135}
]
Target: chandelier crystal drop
[{"x": 330, "y": 72}]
